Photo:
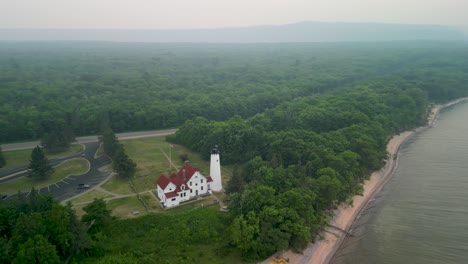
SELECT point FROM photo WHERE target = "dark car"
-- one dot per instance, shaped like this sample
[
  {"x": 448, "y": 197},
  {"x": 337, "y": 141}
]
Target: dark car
[{"x": 83, "y": 186}]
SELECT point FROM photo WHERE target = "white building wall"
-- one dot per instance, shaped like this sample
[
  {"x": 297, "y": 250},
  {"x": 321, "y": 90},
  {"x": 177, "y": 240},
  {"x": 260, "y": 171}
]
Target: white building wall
[
  {"x": 215, "y": 172},
  {"x": 198, "y": 185},
  {"x": 172, "y": 201},
  {"x": 161, "y": 195}
]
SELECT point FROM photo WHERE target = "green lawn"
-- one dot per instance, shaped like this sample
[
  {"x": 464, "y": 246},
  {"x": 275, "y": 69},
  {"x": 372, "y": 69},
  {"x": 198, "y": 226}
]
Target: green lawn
[
  {"x": 151, "y": 162},
  {"x": 118, "y": 186},
  {"x": 89, "y": 196},
  {"x": 73, "y": 166},
  {"x": 192, "y": 204},
  {"x": 152, "y": 203},
  {"x": 124, "y": 207},
  {"x": 100, "y": 151},
  {"x": 146, "y": 152},
  {"x": 15, "y": 158}
]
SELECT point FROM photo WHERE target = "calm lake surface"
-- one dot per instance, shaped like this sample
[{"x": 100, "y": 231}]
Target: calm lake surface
[{"x": 421, "y": 215}]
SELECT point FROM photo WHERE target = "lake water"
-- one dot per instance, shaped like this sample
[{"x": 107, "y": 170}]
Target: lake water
[{"x": 421, "y": 214}]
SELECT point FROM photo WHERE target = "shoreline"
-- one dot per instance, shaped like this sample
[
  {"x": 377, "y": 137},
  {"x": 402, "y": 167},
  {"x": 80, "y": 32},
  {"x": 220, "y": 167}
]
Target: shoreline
[{"x": 323, "y": 250}]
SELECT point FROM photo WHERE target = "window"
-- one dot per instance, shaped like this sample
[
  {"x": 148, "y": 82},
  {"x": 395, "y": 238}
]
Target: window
[
  {"x": 190, "y": 183},
  {"x": 196, "y": 184},
  {"x": 180, "y": 194},
  {"x": 201, "y": 180},
  {"x": 202, "y": 188},
  {"x": 173, "y": 199},
  {"x": 190, "y": 190}
]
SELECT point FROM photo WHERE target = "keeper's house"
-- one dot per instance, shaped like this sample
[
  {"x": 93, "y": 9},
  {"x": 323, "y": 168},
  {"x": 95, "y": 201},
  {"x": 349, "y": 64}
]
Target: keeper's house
[{"x": 184, "y": 185}]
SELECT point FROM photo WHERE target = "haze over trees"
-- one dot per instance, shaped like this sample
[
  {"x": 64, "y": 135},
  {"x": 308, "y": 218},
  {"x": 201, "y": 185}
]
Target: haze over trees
[
  {"x": 145, "y": 86},
  {"x": 305, "y": 124},
  {"x": 306, "y": 31}
]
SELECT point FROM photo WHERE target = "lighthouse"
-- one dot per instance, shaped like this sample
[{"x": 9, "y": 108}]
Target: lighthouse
[{"x": 215, "y": 170}]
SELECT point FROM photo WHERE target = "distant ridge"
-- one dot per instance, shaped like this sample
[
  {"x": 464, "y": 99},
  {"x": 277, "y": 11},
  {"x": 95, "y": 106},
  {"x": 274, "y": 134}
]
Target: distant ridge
[{"x": 297, "y": 32}]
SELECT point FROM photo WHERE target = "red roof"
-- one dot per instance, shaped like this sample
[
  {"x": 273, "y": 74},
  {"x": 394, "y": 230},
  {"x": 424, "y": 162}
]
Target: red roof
[
  {"x": 209, "y": 179},
  {"x": 178, "y": 178},
  {"x": 163, "y": 181},
  {"x": 171, "y": 194}
]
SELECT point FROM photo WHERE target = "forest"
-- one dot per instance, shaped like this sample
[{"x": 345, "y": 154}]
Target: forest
[
  {"x": 302, "y": 124},
  {"x": 142, "y": 86}
]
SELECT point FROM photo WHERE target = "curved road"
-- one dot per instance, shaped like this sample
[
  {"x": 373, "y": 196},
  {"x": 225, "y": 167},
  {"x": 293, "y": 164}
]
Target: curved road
[
  {"x": 88, "y": 139},
  {"x": 68, "y": 187}
]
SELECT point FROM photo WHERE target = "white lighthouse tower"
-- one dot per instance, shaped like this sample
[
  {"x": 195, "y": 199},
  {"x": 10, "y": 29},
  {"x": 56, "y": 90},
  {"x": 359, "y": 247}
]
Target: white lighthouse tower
[{"x": 215, "y": 170}]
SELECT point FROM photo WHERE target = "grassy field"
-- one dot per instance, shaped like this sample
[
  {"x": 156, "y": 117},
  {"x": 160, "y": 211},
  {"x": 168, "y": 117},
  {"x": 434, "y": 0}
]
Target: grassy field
[
  {"x": 124, "y": 207},
  {"x": 89, "y": 196},
  {"x": 195, "y": 204},
  {"x": 118, "y": 186},
  {"x": 151, "y": 163},
  {"x": 147, "y": 153},
  {"x": 73, "y": 166},
  {"x": 15, "y": 158}
]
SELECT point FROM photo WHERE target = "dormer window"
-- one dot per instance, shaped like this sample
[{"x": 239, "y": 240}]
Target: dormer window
[{"x": 182, "y": 187}]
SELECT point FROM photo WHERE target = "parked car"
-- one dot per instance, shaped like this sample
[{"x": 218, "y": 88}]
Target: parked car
[{"x": 83, "y": 186}]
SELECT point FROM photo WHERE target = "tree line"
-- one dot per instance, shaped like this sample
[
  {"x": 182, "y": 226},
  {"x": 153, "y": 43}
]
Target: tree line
[
  {"x": 49, "y": 87},
  {"x": 299, "y": 160},
  {"x": 37, "y": 229},
  {"x": 121, "y": 163}
]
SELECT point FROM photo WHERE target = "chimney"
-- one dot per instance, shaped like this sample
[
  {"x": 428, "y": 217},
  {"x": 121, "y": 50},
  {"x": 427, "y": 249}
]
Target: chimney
[{"x": 183, "y": 174}]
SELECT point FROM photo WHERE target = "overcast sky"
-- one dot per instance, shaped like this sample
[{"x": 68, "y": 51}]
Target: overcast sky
[{"x": 181, "y": 14}]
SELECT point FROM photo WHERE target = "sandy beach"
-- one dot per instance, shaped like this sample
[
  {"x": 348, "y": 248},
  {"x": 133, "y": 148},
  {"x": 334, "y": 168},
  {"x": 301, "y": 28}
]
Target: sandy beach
[{"x": 322, "y": 251}]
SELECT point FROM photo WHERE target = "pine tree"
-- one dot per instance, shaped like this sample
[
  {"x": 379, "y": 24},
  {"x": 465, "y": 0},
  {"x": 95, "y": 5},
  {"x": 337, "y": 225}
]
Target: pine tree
[
  {"x": 2, "y": 159},
  {"x": 39, "y": 167},
  {"x": 123, "y": 165}
]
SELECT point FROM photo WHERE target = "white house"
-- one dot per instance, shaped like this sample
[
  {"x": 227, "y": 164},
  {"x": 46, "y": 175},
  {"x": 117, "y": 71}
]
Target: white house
[{"x": 184, "y": 185}]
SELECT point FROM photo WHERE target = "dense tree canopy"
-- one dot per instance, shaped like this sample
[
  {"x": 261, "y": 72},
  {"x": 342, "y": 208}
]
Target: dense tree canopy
[
  {"x": 149, "y": 86},
  {"x": 37, "y": 229},
  {"x": 304, "y": 123},
  {"x": 302, "y": 158}
]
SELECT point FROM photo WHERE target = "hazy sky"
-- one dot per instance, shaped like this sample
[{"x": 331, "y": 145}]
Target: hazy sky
[{"x": 172, "y": 14}]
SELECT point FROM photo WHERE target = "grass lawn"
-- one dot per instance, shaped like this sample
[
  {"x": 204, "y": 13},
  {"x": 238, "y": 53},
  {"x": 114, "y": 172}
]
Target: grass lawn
[
  {"x": 151, "y": 162},
  {"x": 125, "y": 206},
  {"x": 118, "y": 186},
  {"x": 146, "y": 152},
  {"x": 89, "y": 196},
  {"x": 79, "y": 210},
  {"x": 153, "y": 204},
  {"x": 15, "y": 158},
  {"x": 192, "y": 205},
  {"x": 100, "y": 151},
  {"x": 73, "y": 166}
]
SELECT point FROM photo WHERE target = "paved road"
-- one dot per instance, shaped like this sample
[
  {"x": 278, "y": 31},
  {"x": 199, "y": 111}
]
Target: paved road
[
  {"x": 68, "y": 187},
  {"x": 88, "y": 139}
]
